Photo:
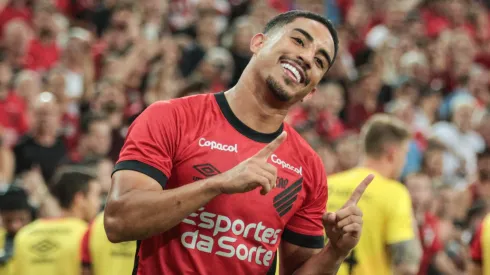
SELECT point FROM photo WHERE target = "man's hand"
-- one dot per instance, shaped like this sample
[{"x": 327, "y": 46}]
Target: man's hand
[
  {"x": 253, "y": 172},
  {"x": 343, "y": 228}
]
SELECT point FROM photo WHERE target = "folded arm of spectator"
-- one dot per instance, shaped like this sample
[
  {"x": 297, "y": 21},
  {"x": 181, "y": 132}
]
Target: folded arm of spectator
[
  {"x": 6, "y": 165},
  {"x": 39, "y": 195}
]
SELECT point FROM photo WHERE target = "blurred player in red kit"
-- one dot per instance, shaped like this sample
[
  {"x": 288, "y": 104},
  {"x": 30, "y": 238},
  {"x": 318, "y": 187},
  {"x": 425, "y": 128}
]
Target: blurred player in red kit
[{"x": 210, "y": 184}]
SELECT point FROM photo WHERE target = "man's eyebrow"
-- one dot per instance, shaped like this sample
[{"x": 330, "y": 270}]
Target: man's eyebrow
[{"x": 311, "y": 39}]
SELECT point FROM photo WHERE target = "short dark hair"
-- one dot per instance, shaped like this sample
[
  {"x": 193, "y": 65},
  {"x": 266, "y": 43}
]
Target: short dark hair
[
  {"x": 14, "y": 199},
  {"x": 288, "y": 17},
  {"x": 484, "y": 154},
  {"x": 89, "y": 119},
  {"x": 68, "y": 183}
]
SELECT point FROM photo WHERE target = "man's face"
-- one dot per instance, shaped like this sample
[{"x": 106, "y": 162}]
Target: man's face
[
  {"x": 434, "y": 162},
  {"x": 120, "y": 29},
  {"x": 419, "y": 187},
  {"x": 92, "y": 200},
  {"x": 292, "y": 59},
  {"x": 48, "y": 117},
  {"x": 348, "y": 152},
  {"x": 462, "y": 118},
  {"x": 100, "y": 138},
  {"x": 14, "y": 220}
]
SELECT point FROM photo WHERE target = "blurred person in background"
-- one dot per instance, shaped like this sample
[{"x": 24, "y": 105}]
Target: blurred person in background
[
  {"x": 242, "y": 32},
  {"x": 122, "y": 30},
  {"x": 330, "y": 98},
  {"x": 403, "y": 109},
  {"x": 207, "y": 38},
  {"x": 462, "y": 141},
  {"x": 100, "y": 256},
  {"x": 28, "y": 85},
  {"x": 480, "y": 249},
  {"x": 328, "y": 157},
  {"x": 13, "y": 111},
  {"x": 77, "y": 68},
  {"x": 347, "y": 151},
  {"x": 16, "y": 37},
  {"x": 363, "y": 98},
  {"x": 421, "y": 191},
  {"x": 43, "y": 146},
  {"x": 43, "y": 51},
  {"x": 426, "y": 112},
  {"x": 52, "y": 245},
  {"x": 215, "y": 69},
  {"x": 484, "y": 129},
  {"x": 95, "y": 139},
  {"x": 387, "y": 32},
  {"x": 480, "y": 189},
  {"x": 165, "y": 80},
  {"x": 15, "y": 213},
  {"x": 432, "y": 162},
  {"x": 389, "y": 243},
  {"x": 322, "y": 110}
]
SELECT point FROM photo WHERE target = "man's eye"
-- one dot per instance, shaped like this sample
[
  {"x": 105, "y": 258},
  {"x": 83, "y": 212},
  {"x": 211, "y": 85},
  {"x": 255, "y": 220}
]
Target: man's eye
[
  {"x": 299, "y": 41},
  {"x": 319, "y": 62}
]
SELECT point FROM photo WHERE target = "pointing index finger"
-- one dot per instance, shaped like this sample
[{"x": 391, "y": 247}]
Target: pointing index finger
[
  {"x": 357, "y": 194},
  {"x": 267, "y": 151}
]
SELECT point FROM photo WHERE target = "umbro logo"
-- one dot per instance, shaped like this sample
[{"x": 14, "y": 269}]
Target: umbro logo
[
  {"x": 283, "y": 202},
  {"x": 207, "y": 170},
  {"x": 44, "y": 246}
]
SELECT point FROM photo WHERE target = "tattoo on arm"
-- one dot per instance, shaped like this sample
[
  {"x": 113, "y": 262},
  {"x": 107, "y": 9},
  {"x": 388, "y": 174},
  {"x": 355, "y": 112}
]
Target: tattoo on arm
[{"x": 406, "y": 257}]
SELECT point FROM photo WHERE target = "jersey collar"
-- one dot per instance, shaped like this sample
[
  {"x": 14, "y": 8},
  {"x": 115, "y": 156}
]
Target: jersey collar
[{"x": 240, "y": 126}]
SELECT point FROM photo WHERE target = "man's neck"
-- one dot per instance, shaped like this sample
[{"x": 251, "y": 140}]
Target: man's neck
[
  {"x": 378, "y": 166},
  {"x": 45, "y": 139},
  {"x": 252, "y": 103},
  {"x": 71, "y": 213}
]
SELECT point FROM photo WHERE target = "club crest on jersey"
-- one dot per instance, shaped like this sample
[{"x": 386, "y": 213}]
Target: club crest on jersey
[
  {"x": 213, "y": 145},
  {"x": 286, "y": 165}
]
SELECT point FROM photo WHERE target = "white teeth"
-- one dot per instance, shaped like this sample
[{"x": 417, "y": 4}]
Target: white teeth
[{"x": 293, "y": 70}]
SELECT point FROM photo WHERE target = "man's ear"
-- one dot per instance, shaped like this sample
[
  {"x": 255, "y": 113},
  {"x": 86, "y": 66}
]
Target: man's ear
[{"x": 257, "y": 42}]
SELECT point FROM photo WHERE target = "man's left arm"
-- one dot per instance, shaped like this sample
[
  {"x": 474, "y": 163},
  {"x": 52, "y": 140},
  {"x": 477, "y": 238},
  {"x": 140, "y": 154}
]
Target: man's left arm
[{"x": 302, "y": 248}]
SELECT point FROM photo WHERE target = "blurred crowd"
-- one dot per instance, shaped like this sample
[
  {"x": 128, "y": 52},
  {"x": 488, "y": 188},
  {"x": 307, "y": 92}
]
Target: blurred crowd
[{"x": 75, "y": 74}]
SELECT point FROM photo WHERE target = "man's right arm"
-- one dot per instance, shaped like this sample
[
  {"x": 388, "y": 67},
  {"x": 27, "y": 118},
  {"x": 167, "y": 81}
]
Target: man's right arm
[
  {"x": 406, "y": 257},
  {"x": 402, "y": 235},
  {"x": 138, "y": 208}
]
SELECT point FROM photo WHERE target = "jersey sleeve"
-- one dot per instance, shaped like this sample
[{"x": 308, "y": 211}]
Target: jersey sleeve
[
  {"x": 85, "y": 247},
  {"x": 400, "y": 221},
  {"x": 305, "y": 228},
  {"x": 476, "y": 249},
  {"x": 151, "y": 142}
]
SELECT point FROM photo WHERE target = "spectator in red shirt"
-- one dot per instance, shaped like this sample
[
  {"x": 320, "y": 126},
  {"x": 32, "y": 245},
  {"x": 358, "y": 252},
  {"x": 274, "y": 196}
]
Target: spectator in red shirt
[
  {"x": 16, "y": 37},
  {"x": 420, "y": 188},
  {"x": 43, "y": 52},
  {"x": 330, "y": 100},
  {"x": 13, "y": 118},
  {"x": 15, "y": 9},
  {"x": 364, "y": 98}
]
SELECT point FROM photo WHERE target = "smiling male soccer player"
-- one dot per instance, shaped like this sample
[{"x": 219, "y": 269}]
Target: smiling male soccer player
[{"x": 195, "y": 179}]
